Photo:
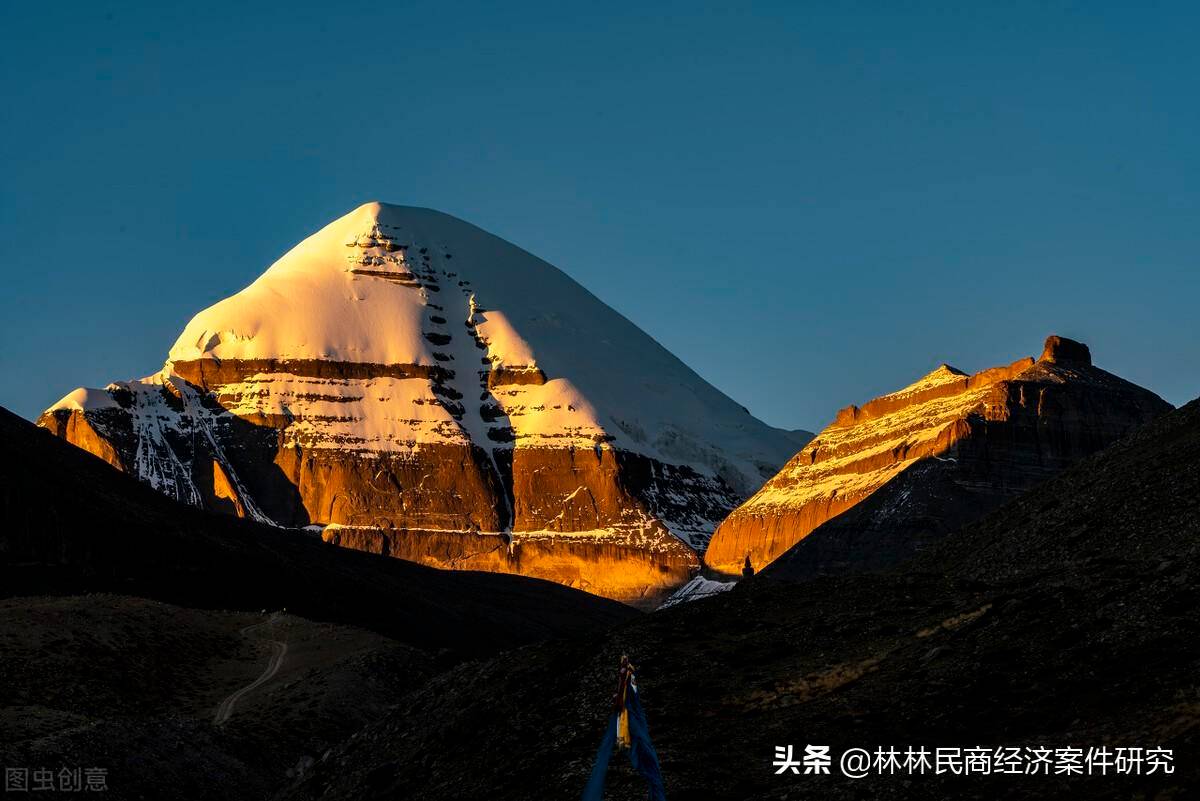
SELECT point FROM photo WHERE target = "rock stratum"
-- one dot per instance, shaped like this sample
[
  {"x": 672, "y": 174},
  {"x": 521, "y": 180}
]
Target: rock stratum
[
  {"x": 419, "y": 388},
  {"x": 891, "y": 477},
  {"x": 74, "y": 526}
]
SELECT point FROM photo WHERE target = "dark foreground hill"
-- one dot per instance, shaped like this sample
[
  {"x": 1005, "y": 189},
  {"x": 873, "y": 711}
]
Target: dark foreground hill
[
  {"x": 1067, "y": 618},
  {"x": 72, "y": 524},
  {"x": 133, "y": 687}
]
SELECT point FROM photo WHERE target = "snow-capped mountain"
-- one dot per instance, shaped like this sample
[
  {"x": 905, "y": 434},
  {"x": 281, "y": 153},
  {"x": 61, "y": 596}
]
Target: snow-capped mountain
[
  {"x": 418, "y": 387},
  {"x": 896, "y": 474}
]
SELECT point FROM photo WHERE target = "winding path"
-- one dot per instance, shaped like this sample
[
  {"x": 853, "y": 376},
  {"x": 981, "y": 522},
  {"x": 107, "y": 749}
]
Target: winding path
[{"x": 278, "y": 652}]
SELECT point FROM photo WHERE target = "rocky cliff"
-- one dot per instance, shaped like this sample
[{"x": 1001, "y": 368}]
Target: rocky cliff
[
  {"x": 417, "y": 387},
  {"x": 890, "y": 477}
]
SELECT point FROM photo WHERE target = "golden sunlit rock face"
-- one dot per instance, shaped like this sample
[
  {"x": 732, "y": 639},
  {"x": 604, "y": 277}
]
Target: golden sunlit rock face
[
  {"x": 223, "y": 490},
  {"x": 994, "y": 433},
  {"x": 416, "y": 387},
  {"x": 76, "y": 429},
  {"x": 639, "y": 575},
  {"x": 584, "y": 517}
]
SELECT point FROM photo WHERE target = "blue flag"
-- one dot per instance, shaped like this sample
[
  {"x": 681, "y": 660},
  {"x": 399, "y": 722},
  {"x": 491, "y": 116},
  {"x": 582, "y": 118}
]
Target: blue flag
[
  {"x": 595, "y": 786},
  {"x": 641, "y": 750},
  {"x": 627, "y": 727}
]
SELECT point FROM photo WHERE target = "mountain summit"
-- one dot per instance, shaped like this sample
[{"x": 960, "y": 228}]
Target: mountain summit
[
  {"x": 890, "y": 477},
  {"x": 418, "y": 387}
]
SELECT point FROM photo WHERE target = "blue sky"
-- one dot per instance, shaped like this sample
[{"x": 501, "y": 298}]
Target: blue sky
[{"x": 809, "y": 204}]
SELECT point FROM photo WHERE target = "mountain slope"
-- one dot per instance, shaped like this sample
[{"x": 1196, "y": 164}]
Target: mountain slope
[
  {"x": 73, "y": 525},
  {"x": 1066, "y": 618},
  {"x": 133, "y": 685},
  {"x": 423, "y": 389},
  {"x": 895, "y": 475}
]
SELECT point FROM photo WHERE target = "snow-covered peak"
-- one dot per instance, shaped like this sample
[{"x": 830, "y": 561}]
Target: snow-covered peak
[
  {"x": 310, "y": 304},
  {"x": 392, "y": 285}
]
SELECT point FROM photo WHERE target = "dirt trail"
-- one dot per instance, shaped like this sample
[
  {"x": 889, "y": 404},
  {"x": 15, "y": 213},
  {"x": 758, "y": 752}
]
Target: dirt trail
[{"x": 278, "y": 652}]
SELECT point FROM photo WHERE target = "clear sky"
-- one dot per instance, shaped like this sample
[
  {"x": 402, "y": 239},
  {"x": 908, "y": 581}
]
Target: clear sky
[{"x": 810, "y": 204}]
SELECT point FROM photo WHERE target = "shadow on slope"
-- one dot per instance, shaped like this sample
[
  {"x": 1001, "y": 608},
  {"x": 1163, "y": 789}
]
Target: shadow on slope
[
  {"x": 72, "y": 524},
  {"x": 1066, "y": 618},
  {"x": 132, "y": 686}
]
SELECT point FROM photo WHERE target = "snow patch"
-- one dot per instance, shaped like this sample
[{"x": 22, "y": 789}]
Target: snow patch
[
  {"x": 83, "y": 399},
  {"x": 699, "y": 587}
]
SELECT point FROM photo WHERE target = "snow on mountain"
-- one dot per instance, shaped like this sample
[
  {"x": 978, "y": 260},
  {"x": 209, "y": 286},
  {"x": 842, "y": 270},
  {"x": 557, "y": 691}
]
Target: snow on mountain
[
  {"x": 696, "y": 589},
  {"x": 411, "y": 378}
]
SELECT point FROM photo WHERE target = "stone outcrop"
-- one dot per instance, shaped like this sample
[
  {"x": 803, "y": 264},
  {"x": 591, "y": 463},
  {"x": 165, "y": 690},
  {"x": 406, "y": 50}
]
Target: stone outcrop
[
  {"x": 886, "y": 479},
  {"x": 81, "y": 431},
  {"x": 416, "y": 387}
]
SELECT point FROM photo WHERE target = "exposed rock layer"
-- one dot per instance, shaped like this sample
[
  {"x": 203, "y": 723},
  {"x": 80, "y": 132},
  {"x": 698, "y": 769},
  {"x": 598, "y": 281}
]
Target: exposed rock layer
[
  {"x": 929, "y": 458},
  {"x": 72, "y": 525},
  {"x": 636, "y": 574},
  {"x": 404, "y": 373}
]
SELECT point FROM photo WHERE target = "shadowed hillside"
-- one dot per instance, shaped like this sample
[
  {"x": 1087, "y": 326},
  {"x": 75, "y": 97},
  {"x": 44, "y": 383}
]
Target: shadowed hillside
[
  {"x": 1066, "y": 618},
  {"x": 73, "y": 524}
]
